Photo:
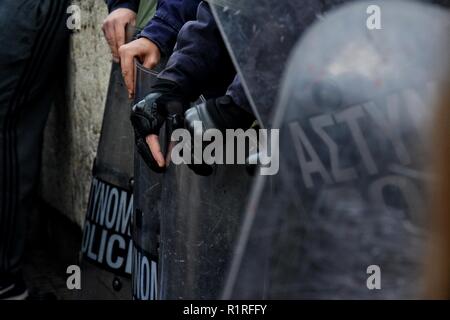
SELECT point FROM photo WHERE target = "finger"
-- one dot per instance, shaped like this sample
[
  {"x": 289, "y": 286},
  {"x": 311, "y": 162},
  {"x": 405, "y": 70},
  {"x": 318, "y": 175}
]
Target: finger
[
  {"x": 169, "y": 153},
  {"x": 119, "y": 31},
  {"x": 155, "y": 148},
  {"x": 150, "y": 61},
  {"x": 108, "y": 30},
  {"x": 110, "y": 38},
  {"x": 127, "y": 65}
]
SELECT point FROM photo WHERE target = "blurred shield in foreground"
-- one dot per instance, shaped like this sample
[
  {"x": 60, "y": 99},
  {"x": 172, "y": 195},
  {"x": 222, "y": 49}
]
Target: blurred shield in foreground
[{"x": 344, "y": 217}]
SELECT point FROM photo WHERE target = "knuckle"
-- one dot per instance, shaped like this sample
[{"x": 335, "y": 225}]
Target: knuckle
[
  {"x": 106, "y": 23},
  {"x": 124, "y": 50}
]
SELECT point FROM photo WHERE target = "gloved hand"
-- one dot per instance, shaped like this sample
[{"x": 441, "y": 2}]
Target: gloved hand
[
  {"x": 164, "y": 105},
  {"x": 221, "y": 113}
]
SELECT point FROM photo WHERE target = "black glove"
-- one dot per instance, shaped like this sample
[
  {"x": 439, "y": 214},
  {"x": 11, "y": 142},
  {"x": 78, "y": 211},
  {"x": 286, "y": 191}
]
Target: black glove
[
  {"x": 221, "y": 113},
  {"x": 165, "y": 104}
]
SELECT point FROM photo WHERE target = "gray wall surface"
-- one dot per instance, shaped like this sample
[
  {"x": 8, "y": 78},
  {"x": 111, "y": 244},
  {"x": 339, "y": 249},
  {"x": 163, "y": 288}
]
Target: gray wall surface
[{"x": 74, "y": 126}]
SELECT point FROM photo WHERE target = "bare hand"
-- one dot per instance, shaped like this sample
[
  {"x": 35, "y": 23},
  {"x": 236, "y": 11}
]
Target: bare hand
[
  {"x": 155, "y": 148},
  {"x": 114, "y": 29},
  {"x": 142, "y": 49}
]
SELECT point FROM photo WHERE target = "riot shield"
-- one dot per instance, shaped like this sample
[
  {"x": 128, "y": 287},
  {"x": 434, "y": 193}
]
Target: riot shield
[
  {"x": 344, "y": 217},
  {"x": 107, "y": 250},
  {"x": 200, "y": 223},
  {"x": 106, "y": 245},
  {"x": 260, "y": 41},
  {"x": 185, "y": 225},
  {"x": 201, "y": 216},
  {"x": 162, "y": 207},
  {"x": 146, "y": 218}
]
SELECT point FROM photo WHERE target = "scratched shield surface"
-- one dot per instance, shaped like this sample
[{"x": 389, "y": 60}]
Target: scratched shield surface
[
  {"x": 106, "y": 234},
  {"x": 260, "y": 35},
  {"x": 353, "y": 112},
  {"x": 184, "y": 225},
  {"x": 147, "y": 209},
  {"x": 112, "y": 170},
  {"x": 200, "y": 221}
]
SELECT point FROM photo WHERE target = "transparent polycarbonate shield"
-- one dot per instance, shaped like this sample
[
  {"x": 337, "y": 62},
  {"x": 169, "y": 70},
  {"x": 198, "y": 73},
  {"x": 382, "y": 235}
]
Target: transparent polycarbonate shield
[
  {"x": 185, "y": 225},
  {"x": 106, "y": 245},
  {"x": 200, "y": 222},
  {"x": 260, "y": 35},
  {"x": 345, "y": 217},
  {"x": 114, "y": 161},
  {"x": 147, "y": 206}
]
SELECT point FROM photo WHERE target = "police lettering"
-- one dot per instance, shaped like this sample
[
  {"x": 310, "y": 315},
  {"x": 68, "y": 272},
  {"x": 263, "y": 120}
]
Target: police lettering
[
  {"x": 145, "y": 275},
  {"x": 359, "y": 128},
  {"x": 107, "y": 235}
]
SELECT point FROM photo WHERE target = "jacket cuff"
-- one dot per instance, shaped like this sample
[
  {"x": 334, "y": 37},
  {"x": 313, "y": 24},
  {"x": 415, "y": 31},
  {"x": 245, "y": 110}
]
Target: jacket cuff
[
  {"x": 161, "y": 34},
  {"x": 132, "y": 5}
]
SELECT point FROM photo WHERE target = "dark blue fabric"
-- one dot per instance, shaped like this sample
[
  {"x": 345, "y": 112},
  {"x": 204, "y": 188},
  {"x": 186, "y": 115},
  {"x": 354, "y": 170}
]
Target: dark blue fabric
[
  {"x": 169, "y": 18},
  {"x": 128, "y": 4},
  {"x": 237, "y": 93},
  {"x": 200, "y": 63}
]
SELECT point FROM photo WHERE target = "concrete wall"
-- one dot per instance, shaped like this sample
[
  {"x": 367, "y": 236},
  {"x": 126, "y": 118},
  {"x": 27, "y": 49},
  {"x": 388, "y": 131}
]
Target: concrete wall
[{"x": 73, "y": 129}]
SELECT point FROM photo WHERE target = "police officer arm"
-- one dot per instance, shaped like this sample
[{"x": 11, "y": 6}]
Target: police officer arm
[
  {"x": 122, "y": 13},
  {"x": 200, "y": 65},
  {"x": 158, "y": 38}
]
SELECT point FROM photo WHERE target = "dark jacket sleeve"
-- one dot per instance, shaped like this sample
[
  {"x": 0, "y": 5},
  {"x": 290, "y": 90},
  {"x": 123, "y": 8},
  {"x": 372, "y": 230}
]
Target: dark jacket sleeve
[
  {"x": 237, "y": 93},
  {"x": 169, "y": 18},
  {"x": 200, "y": 63},
  {"x": 128, "y": 4}
]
